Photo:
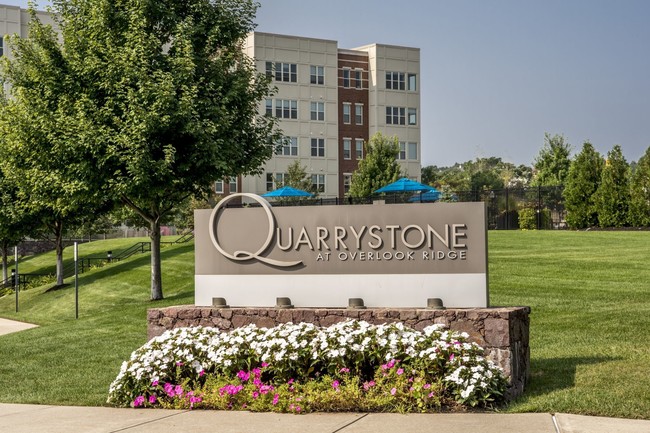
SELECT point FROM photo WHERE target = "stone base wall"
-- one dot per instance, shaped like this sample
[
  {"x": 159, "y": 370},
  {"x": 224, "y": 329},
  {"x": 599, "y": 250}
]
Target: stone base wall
[{"x": 502, "y": 332}]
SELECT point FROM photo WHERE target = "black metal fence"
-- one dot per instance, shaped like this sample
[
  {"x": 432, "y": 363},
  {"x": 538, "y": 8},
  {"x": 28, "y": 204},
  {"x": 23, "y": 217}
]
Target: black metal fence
[{"x": 538, "y": 208}]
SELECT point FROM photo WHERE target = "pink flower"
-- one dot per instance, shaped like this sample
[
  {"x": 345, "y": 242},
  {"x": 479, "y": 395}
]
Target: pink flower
[
  {"x": 154, "y": 383},
  {"x": 152, "y": 399},
  {"x": 169, "y": 389},
  {"x": 276, "y": 399},
  {"x": 201, "y": 373},
  {"x": 393, "y": 391},
  {"x": 451, "y": 357},
  {"x": 243, "y": 375},
  {"x": 335, "y": 384},
  {"x": 368, "y": 385},
  {"x": 178, "y": 390},
  {"x": 179, "y": 363},
  {"x": 139, "y": 401},
  {"x": 256, "y": 395},
  {"x": 400, "y": 371},
  {"x": 344, "y": 370},
  {"x": 264, "y": 364},
  {"x": 298, "y": 409},
  {"x": 431, "y": 394},
  {"x": 427, "y": 386},
  {"x": 264, "y": 389},
  {"x": 257, "y": 372}
]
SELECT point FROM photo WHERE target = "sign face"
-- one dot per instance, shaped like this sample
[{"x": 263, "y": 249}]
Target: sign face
[{"x": 395, "y": 255}]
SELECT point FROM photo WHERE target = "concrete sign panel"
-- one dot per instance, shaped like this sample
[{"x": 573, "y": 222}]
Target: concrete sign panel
[{"x": 396, "y": 255}]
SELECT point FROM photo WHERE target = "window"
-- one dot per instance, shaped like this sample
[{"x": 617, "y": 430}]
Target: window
[
  {"x": 413, "y": 116},
  {"x": 358, "y": 79},
  {"x": 287, "y": 72},
  {"x": 232, "y": 185},
  {"x": 347, "y": 181},
  {"x": 347, "y": 148},
  {"x": 274, "y": 180},
  {"x": 318, "y": 147},
  {"x": 346, "y": 78},
  {"x": 316, "y": 75},
  {"x": 412, "y": 82},
  {"x": 269, "y": 107},
  {"x": 318, "y": 182},
  {"x": 412, "y": 151},
  {"x": 286, "y": 108},
  {"x": 346, "y": 112},
  {"x": 402, "y": 151},
  {"x": 395, "y": 115},
  {"x": 218, "y": 187},
  {"x": 358, "y": 144},
  {"x": 395, "y": 80},
  {"x": 288, "y": 147},
  {"x": 358, "y": 114},
  {"x": 317, "y": 111}
]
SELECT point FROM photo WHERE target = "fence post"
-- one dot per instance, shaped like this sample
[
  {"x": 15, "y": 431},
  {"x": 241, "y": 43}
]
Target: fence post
[
  {"x": 507, "y": 211},
  {"x": 539, "y": 207}
]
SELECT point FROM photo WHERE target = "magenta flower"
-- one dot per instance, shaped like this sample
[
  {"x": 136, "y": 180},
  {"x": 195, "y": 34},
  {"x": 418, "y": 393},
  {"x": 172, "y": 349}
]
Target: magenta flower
[
  {"x": 201, "y": 373},
  {"x": 152, "y": 399},
  {"x": 393, "y": 391},
  {"x": 178, "y": 390},
  {"x": 264, "y": 389},
  {"x": 400, "y": 371},
  {"x": 255, "y": 395},
  {"x": 276, "y": 399},
  {"x": 368, "y": 385},
  {"x": 169, "y": 389},
  {"x": 451, "y": 357},
  {"x": 290, "y": 381},
  {"x": 427, "y": 386},
  {"x": 264, "y": 364},
  {"x": 178, "y": 363},
  {"x": 154, "y": 383},
  {"x": 335, "y": 384},
  {"x": 344, "y": 370},
  {"x": 243, "y": 375},
  {"x": 139, "y": 401}
]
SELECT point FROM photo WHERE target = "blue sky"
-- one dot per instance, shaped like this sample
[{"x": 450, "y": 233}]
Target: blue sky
[{"x": 496, "y": 75}]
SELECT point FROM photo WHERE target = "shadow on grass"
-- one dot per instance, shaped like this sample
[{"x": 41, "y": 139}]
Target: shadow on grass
[
  {"x": 554, "y": 374},
  {"x": 144, "y": 259}
]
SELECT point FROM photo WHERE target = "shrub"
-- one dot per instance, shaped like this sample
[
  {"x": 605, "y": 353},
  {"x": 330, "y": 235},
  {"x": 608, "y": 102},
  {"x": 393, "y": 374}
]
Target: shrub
[
  {"x": 351, "y": 365},
  {"x": 528, "y": 219}
]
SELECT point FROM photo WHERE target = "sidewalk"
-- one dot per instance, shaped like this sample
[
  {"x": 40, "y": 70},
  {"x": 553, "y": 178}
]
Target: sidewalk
[
  {"x": 8, "y": 326},
  {"x": 54, "y": 419}
]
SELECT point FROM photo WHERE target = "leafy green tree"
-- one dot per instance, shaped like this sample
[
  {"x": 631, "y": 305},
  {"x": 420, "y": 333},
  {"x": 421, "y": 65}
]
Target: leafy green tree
[
  {"x": 164, "y": 100},
  {"x": 581, "y": 185},
  {"x": 39, "y": 157},
  {"x": 640, "y": 192},
  {"x": 297, "y": 177},
  {"x": 378, "y": 168},
  {"x": 613, "y": 194},
  {"x": 552, "y": 163}
]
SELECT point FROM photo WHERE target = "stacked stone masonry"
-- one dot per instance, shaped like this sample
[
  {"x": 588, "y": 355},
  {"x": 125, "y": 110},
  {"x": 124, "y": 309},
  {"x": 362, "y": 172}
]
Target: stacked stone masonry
[{"x": 502, "y": 332}]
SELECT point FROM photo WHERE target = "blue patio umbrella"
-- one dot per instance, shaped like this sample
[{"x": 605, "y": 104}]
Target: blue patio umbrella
[
  {"x": 287, "y": 191},
  {"x": 405, "y": 185}
]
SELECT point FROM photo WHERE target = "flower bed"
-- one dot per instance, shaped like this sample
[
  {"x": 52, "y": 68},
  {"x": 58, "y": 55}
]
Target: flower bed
[{"x": 351, "y": 366}]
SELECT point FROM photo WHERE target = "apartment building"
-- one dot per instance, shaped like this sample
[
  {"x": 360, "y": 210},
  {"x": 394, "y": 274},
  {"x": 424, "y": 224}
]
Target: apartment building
[{"x": 330, "y": 101}]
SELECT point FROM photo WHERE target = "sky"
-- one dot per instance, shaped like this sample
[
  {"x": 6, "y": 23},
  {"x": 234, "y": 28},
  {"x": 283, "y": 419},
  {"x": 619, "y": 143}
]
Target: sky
[{"x": 497, "y": 75}]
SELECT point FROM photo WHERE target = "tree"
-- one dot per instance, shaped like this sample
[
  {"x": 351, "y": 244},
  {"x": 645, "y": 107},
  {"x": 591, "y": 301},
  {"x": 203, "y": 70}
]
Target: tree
[
  {"x": 164, "y": 99},
  {"x": 613, "y": 194},
  {"x": 552, "y": 163},
  {"x": 39, "y": 157},
  {"x": 378, "y": 168},
  {"x": 297, "y": 177},
  {"x": 640, "y": 192},
  {"x": 581, "y": 185}
]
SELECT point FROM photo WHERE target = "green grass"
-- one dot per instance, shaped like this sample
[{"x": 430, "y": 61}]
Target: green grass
[{"x": 590, "y": 321}]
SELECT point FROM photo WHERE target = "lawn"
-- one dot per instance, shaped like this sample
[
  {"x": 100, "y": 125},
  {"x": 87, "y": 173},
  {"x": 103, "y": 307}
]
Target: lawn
[{"x": 590, "y": 321}]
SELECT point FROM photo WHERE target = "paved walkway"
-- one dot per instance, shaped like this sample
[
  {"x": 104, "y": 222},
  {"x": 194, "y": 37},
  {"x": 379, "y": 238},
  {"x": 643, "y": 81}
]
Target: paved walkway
[
  {"x": 65, "y": 419},
  {"x": 8, "y": 326},
  {"x": 25, "y": 418}
]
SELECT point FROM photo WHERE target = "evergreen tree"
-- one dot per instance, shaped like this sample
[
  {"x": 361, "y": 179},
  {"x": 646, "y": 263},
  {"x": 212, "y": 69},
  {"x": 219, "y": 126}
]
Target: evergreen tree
[
  {"x": 581, "y": 185},
  {"x": 552, "y": 164},
  {"x": 640, "y": 193},
  {"x": 613, "y": 195},
  {"x": 378, "y": 168}
]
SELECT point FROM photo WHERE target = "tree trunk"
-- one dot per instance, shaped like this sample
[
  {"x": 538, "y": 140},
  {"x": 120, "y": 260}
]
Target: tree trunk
[
  {"x": 5, "y": 251},
  {"x": 156, "y": 275},
  {"x": 58, "y": 232}
]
